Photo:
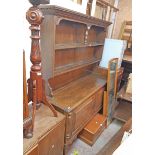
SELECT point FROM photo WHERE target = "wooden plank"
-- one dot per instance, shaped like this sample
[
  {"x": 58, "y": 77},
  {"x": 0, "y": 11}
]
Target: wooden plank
[{"x": 114, "y": 143}]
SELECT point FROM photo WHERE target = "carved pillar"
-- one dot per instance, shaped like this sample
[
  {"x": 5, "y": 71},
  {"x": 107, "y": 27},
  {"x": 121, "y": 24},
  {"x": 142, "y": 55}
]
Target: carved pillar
[
  {"x": 36, "y": 82},
  {"x": 35, "y": 17}
]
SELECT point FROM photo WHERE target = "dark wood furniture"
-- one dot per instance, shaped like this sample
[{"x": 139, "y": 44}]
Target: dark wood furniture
[
  {"x": 79, "y": 101},
  {"x": 72, "y": 45},
  {"x": 48, "y": 135}
]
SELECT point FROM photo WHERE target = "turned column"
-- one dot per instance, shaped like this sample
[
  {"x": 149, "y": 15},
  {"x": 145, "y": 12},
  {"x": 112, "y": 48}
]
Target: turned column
[{"x": 35, "y": 17}]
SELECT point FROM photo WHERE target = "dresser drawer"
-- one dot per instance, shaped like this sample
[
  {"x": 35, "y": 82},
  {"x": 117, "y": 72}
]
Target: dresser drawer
[{"x": 52, "y": 143}]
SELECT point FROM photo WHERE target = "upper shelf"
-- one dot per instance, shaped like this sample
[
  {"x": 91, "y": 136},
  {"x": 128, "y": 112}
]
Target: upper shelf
[{"x": 76, "y": 45}]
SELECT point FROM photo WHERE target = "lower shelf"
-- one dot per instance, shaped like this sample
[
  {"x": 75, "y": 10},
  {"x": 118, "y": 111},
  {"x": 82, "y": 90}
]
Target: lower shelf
[
  {"x": 123, "y": 111},
  {"x": 66, "y": 68}
]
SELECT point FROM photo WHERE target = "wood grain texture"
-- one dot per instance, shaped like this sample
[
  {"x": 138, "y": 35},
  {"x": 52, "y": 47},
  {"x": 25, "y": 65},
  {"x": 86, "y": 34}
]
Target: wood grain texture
[{"x": 72, "y": 46}]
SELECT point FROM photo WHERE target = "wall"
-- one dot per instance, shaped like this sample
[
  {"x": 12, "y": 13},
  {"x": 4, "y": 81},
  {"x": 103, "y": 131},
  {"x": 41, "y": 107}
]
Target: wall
[{"x": 125, "y": 13}]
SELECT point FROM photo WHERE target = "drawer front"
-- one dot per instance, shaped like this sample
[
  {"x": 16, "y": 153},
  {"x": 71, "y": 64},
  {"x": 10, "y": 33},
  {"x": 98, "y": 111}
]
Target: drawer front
[
  {"x": 99, "y": 100},
  {"x": 53, "y": 142},
  {"x": 84, "y": 112}
]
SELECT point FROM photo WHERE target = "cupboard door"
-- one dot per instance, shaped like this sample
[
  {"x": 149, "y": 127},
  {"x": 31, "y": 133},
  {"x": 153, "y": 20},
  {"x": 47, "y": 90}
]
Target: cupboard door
[
  {"x": 53, "y": 142},
  {"x": 34, "y": 151}
]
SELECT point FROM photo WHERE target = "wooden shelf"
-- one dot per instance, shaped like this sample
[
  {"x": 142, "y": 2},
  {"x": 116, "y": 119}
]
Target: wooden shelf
[
  {"x": 73, "y": 66},
  {"x": 76, "y": 45},
  {"x": 123, "y": 111}
]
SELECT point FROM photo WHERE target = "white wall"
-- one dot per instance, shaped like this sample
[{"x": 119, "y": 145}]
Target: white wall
[{"x": 13, "y": 37}]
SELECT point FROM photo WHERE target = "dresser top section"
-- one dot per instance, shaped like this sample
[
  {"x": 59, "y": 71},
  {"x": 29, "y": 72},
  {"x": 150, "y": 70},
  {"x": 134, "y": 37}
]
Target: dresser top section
[{"x": 70, "y": 14}]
